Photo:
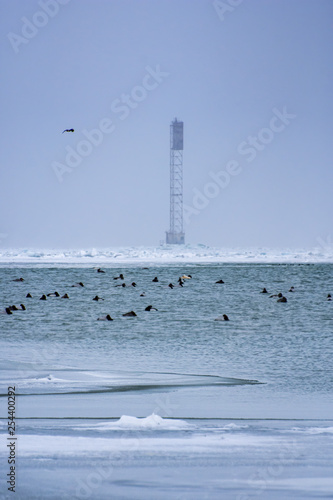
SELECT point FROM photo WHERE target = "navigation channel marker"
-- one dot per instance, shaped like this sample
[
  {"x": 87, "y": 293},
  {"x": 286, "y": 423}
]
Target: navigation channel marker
[
  {"x": 177, "y": 136},
  {"x": 176, "y": 235}
]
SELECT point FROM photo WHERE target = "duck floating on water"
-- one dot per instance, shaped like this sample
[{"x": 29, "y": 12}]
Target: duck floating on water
[
  {"x": 130, "y": 314},
  {"x": 224, "y": 317},
  {"x": 105, "y": 318}
]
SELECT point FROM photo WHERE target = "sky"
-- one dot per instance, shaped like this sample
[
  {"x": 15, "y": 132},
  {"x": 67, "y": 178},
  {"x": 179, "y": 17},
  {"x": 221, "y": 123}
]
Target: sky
[{"x": 251, "y": 80}]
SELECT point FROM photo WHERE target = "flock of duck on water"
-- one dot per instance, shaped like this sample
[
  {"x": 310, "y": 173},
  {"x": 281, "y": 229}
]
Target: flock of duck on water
[{"x": 181, "y": 281}]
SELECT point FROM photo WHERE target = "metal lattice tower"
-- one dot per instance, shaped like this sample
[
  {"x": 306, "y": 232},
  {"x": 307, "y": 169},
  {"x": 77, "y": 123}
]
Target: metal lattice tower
[{"x": 176, "y": 233}]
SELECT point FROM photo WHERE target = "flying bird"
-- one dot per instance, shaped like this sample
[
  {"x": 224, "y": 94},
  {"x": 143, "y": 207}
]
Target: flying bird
[{"x": 69, "y": 130}]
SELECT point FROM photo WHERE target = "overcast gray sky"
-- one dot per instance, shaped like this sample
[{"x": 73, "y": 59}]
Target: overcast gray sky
[{"x": 252, "y": 81}]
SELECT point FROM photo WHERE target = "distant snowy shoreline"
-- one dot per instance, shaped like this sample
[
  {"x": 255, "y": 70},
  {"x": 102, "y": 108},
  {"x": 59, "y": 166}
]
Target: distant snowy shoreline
[{"x": 166, "y": 254}]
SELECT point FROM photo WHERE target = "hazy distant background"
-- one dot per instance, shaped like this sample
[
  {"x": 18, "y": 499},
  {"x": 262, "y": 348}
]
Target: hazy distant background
[{"x": 226, "y": 74}]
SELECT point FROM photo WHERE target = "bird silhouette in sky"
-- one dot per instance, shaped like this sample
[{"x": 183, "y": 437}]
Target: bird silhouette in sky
[{"x": 69, "y": 130}]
